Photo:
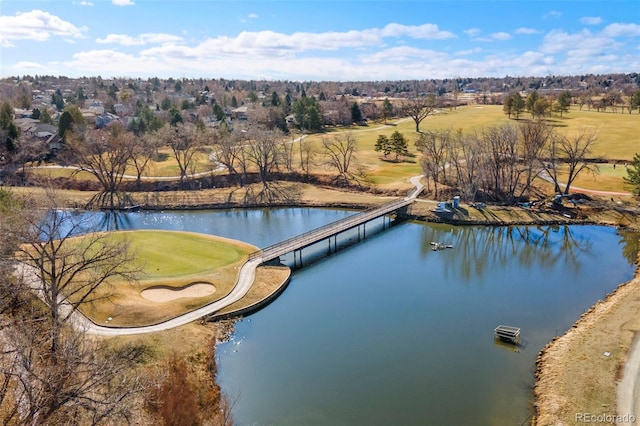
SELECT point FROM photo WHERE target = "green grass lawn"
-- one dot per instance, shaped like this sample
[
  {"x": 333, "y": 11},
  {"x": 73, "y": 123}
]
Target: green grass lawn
[
  {"x": 169, "y": 259},
  {"x": 168, "y": 254}
]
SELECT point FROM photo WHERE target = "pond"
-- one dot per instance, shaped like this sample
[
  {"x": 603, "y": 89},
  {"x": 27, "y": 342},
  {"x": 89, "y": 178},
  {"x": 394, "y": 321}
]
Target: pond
[{"x": 391, "y": 332}]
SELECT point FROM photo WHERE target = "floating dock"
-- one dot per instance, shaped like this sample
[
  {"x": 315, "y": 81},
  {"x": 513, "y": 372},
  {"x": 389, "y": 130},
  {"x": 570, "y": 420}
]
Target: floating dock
[{"x": 507, "y": 333}]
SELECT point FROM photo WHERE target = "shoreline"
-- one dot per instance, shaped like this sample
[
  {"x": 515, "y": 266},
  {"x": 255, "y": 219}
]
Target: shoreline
[
  {"x": 608, "y": 326},
  {"x": 594, "y": 353}
]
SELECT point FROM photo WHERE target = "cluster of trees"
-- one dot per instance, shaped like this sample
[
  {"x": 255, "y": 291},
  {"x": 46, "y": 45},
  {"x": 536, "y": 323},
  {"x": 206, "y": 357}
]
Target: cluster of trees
[
  {"x": 502, "y": 162},
  {"x": 536, "y": 105},
  {"x": 51, "y": 372},
  {"x": 541, "y": 106},
  {"x": 396, "y": 144}
]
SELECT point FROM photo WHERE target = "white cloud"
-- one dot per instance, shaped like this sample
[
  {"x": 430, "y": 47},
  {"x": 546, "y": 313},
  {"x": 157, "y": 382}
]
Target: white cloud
[
  {"x": 268, "y": 43},
  {"x": 424, "y": 31},
  {"x": 591, "y": 20},
  {"x": 553, "y": 14},
  {"x": 252, "y": 16},
  {"x": 140, "y": 40},
  {"x": 36, "y": 25},
  {"x": 524, "y": 30},
  {"x": 473, "y": 32},
  {"x": 123, "y": 2},
  {"x": 27, "y": 65},
  {"x": 622, "y": 30},
  {"x": 468, "y": 51},
  {"x": 405, "y": 54},
  {"x": 501, "y": 36},
  {"x": 558, "y": 41}
]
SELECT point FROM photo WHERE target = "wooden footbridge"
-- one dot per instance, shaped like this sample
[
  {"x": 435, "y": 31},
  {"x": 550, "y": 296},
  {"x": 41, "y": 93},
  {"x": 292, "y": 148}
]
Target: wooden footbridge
[{"x": 326, "y": 232}]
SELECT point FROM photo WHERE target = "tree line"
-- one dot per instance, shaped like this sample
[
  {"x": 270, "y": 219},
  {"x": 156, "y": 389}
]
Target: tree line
[{"x": 501, "y": 163}]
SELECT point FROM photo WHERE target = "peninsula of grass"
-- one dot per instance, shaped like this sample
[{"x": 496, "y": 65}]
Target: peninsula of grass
[{"x": 173, "y": 262}]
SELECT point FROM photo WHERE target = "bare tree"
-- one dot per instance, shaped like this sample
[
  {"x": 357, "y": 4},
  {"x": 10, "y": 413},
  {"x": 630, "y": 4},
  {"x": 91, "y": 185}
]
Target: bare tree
[
  {"x": 419, "y": 108},
  {"x": 228, "y": 149},
  {"x": 67, "y": 270},
  {"x": 85, "y": 383},
  {"x": 185, "y": 141},
  {"x": 468, "y": 165},
  {"x": 13, "y": 292},
  {"x": 75, "y": 380},
  {"x": 433, "y": 145},
  {"x": 106, "y": 155},
  {"x": 575, "y": 152},
  {"x": 285, "y": 153},
  {"x": 339, "y": 151},
  {"x": 534, "y": 137},
  {"x": 308, "y": 152},
  {"x": 144, "y": 148},
  {"x": 262, "y": 148},
  {"x": 500, "y": 145}
]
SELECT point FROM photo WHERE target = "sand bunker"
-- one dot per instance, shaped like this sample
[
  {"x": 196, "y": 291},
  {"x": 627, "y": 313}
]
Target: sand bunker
[{"x": 166, "y": 294}]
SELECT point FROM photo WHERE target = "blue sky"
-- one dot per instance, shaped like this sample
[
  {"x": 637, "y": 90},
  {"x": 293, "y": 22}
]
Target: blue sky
[{"x": 317, "y": 39}]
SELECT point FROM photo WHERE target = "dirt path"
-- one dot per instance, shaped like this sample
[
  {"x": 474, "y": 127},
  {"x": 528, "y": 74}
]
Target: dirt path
[{"x": 628, "y": 392}]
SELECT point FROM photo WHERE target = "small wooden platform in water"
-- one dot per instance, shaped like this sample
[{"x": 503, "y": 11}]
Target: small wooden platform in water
[{"x": 507, "y": 333}]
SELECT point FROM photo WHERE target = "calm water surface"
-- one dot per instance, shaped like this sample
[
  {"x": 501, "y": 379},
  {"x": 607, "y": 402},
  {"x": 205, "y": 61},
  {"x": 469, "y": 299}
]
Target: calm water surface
[{"x": 391, "y": 332}]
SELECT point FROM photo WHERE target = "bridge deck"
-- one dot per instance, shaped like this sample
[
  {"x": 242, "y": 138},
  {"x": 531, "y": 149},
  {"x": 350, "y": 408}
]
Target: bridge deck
[{"x": 323, "y": 232}]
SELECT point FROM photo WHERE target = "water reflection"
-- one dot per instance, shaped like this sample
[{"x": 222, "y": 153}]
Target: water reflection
[
  {"x": 482, "y": 249},
  {"x": 630, "y": 242}
]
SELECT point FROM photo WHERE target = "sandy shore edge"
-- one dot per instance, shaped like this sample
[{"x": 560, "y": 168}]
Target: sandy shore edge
[{"x": 580, "y": 372}]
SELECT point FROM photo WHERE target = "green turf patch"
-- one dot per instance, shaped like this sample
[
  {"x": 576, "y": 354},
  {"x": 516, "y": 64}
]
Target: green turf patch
[
  {"x": 173, "y": 260},
  {"x": 166, "y": 254}
]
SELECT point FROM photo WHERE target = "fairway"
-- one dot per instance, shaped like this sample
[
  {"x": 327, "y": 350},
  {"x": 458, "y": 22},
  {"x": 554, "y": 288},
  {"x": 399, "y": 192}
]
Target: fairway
[
  {"x": 169, "y": 254},
  {"x": 174, "y": 261}
]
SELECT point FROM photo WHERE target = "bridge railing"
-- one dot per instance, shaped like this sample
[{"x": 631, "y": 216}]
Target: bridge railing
[{"x": 344, "y": 223}]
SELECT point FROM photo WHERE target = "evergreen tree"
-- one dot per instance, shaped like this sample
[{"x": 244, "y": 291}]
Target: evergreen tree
[
  {"x": 57, "y": 100},
  {"x": 356, "y": 114},
  {"x": 218, "y": 111},
  {"x": 45, "y": 117},
  {"x": 307, "y": 113},
  {"x": 65, "y": 124},
  {"x": 531, "y": 102},
  {"x": 383, "y": 144},
  {"x": 8, "y": 130},
  {"x": 517, "y": 105},
  {"x": 387, "y": 110},
  {"x": 176, "y": 117},
  {"x": 564, "y": 102},
  {"x": 399, "y": 144},
  {"x": 275, "y": 99},
  {"x": 507, "y": 106},
  {"x": 632, "y": 180},
  {"x": 166, "y": 104}
]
